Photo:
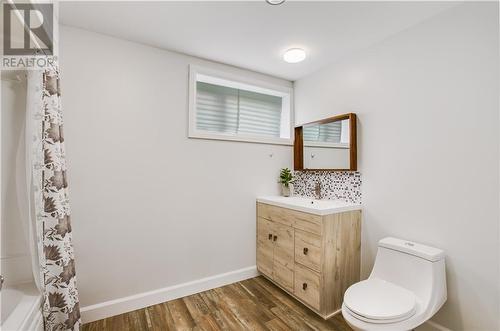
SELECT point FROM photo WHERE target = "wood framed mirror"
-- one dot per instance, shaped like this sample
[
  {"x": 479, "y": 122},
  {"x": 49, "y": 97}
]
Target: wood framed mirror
[{"x": 327, "y": 145}]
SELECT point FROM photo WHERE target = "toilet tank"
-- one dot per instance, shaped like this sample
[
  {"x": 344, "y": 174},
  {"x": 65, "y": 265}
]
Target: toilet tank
[{"x": 419, "y": 268}]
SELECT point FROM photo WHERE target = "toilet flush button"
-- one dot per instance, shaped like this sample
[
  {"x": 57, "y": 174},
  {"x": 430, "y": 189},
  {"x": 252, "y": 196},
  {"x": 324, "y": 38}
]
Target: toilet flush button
[{"x": 409, "y": 244}]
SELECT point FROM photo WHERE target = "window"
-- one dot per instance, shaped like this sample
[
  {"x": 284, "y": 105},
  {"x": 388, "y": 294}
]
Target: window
[{"x": 224, "y": 107}]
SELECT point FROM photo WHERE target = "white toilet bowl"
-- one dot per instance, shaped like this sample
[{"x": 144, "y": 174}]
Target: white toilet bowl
[{"x": 407, "y": 286}]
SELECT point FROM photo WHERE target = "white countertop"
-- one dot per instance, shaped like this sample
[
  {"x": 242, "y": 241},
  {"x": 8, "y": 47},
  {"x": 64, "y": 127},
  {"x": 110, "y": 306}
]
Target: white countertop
[{"x": 310, "y": 205}]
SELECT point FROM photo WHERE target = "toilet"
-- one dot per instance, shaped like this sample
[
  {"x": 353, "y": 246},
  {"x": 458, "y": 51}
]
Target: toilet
[{"x": 406, "y": 287}]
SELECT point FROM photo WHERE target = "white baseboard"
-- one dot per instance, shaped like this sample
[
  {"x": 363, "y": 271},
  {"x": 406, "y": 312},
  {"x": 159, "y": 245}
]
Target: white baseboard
[
  {"x": 146, "y": 299},
  {"x": 432, "y": 326}
]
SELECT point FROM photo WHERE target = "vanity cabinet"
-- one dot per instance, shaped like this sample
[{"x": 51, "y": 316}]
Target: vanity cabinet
[
  {"x": 275, "y": 252},
  {"x": 315, "y": 258}
]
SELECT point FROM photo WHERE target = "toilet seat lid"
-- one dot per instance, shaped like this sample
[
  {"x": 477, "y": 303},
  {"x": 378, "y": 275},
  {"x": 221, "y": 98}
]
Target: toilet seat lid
[{"x": 377, "y": 299}]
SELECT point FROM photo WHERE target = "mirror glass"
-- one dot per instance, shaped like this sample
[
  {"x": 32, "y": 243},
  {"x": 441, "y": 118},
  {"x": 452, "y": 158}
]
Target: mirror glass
[{"x": 326, "y": 146}]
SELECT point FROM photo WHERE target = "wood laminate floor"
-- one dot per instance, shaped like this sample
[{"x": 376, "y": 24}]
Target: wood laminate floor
[{"x": 253, "y": 304}]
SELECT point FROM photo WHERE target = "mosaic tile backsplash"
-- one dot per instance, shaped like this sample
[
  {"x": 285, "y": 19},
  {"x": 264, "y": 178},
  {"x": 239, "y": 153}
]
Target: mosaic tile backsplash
[{"x": 335, "y": 185}]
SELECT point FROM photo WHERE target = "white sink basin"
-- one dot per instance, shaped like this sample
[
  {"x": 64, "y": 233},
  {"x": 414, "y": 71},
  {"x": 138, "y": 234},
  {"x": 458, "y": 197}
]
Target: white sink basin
[{"x": 309, "y": 205}]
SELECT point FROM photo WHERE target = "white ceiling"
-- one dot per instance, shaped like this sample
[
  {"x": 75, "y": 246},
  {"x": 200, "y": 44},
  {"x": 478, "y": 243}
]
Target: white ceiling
[{"x": 253, "y": 34}]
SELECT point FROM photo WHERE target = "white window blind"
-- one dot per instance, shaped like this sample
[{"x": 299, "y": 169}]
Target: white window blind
[
  {"x": 216, "y": 108},
  {"x": 226, "y": 106},
  {"x": 227, "y": 110},
  {"x": 330, "y": 132}
]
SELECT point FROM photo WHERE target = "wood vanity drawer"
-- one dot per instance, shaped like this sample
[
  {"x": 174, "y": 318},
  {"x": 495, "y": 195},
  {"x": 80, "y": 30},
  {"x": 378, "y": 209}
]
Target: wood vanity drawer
[
  {"x": 306, "y": 286},
  {"x": 312, "y": 227},
  {"x": 297, "y": 219},
  {"x": 308, "y": 250}
]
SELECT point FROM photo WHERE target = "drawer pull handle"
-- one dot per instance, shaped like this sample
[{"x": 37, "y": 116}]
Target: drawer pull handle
[
  {"x": 270, "y": 236},
  {"x": 275, "y": 238},
  {"x": 304, "y": 286},
  {"x": 306, "y": 250}
]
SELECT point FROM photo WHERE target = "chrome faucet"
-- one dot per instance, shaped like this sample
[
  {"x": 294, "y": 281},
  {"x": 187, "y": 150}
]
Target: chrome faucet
[
  {"x": 317, "y": 191},
  {"x": 1, "y": 281}
]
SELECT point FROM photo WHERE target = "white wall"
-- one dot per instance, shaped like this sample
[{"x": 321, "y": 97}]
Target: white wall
[
  {"x": 150, "y": 207},
  {"x": 15, "y": 257},
  {"x": 427, "y": 102}
]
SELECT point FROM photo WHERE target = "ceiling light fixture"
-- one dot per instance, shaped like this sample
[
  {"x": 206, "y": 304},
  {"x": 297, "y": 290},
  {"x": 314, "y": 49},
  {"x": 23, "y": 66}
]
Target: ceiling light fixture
[
  {"x": 275, "y": 2},
  {"x": 294, "y": 55}
]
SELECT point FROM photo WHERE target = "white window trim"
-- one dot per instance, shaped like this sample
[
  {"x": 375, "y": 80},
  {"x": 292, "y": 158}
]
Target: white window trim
[{"x": 223, "y": 78}]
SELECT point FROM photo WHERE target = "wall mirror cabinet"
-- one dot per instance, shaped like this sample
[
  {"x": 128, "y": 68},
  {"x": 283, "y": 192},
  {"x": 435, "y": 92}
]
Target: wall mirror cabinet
[{"x": 328, "y": 144}]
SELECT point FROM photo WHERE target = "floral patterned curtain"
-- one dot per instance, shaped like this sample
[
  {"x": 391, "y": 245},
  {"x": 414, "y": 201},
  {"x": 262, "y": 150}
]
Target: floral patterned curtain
[{"x": 61, "y": 310}]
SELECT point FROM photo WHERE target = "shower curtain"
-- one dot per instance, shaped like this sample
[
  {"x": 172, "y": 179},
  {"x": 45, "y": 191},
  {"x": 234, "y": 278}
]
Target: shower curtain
[{"x": 49, "y": 192}]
